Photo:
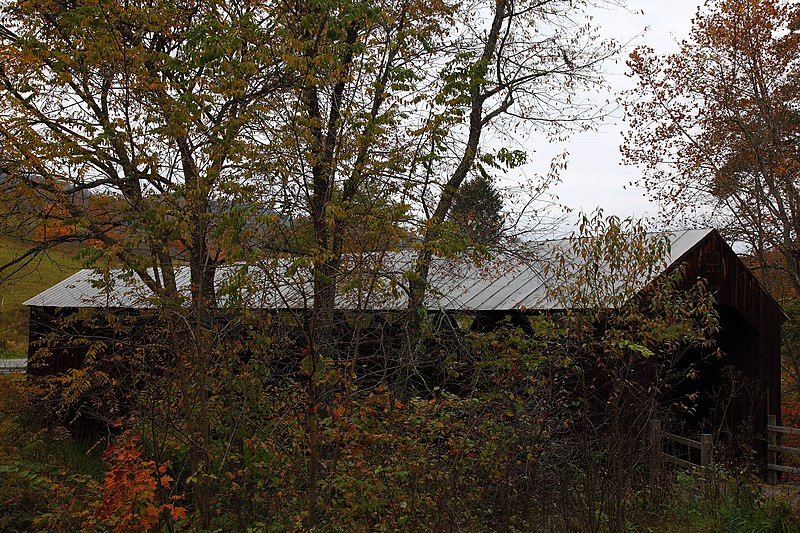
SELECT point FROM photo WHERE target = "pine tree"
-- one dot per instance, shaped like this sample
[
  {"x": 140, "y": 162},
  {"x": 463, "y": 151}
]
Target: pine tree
[{"x": 477, "y": 211}]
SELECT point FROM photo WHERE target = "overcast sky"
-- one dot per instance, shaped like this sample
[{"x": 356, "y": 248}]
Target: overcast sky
[{"x": 595, "y": 176}]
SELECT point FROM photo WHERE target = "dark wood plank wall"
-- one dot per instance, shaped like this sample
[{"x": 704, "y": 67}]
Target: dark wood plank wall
[
  {"x": 750, "y": 336},
  {"x": 59, "y": 354}
]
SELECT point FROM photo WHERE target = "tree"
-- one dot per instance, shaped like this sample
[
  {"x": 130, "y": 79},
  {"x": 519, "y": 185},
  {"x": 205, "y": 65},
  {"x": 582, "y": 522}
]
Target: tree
[
  {"x": 385, "y": 124},
  {"x": 631, "y": 333},
  {"x": 164, "y": 135},
  {"x": 149, "y": 106},
  {"x": 524, "y": 67},
  {"x": 477, "y": 211},
  {"x": 716, "y": 125}
]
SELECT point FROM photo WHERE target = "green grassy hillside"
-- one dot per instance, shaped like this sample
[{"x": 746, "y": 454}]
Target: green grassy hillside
[{"x": 45, "y": 271}]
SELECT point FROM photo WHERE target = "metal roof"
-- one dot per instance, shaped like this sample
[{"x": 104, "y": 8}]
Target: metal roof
[{"x": 523, "y": 280}]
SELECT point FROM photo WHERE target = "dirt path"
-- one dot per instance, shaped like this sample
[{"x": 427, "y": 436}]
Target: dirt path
[{"x": 789, "y": 490}]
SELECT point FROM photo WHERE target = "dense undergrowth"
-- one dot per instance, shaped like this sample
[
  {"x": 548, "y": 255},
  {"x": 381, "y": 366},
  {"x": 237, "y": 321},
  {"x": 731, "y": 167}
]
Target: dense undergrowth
[{"x": 438, "y": 464}]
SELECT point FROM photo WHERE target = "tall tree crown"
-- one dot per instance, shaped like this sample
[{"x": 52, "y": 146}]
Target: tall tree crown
[{"x": 716, "y": 126}]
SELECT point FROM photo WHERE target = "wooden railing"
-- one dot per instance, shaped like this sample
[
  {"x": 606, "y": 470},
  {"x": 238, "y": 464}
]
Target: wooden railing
[
  {"x": 657, "y": 436},
  {"x": 705, "y": 445},
  {"x": 773, "y": 449}
]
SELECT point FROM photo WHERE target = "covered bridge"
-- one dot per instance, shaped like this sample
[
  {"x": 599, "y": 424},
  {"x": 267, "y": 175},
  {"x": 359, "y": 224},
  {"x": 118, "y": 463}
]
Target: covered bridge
[{"x": 505, "y": 287}]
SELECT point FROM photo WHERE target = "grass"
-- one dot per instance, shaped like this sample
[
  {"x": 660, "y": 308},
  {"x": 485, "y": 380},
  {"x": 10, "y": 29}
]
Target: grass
[
  {"x": 40, "y": 454},
  {"x": 45, "y": 271},
  {"x": 718, "y": 500}
]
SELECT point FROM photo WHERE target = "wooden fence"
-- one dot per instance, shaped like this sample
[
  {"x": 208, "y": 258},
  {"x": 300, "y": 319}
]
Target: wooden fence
[
  {"x": 683, "y": 459},
  {"x": 773, "y": 449}
]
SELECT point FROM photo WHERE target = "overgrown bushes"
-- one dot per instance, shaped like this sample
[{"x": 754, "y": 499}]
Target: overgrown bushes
[{"x": 444, "y": 463}]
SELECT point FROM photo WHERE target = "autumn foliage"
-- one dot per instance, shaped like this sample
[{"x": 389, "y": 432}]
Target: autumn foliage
[
  {"x": 128, "y": 498},
  {"x": 715, "y": 126},
  {"x": 162, "y": 135}
]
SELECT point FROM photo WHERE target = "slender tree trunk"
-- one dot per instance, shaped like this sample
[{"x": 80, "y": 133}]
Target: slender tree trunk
[{"x": 419, "y": 283}]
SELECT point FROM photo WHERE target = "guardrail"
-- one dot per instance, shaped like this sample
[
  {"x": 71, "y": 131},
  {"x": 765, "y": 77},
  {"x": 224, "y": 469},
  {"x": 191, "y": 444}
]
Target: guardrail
[
  {"x": 773, "y": 449},
  {"x": 11, "y": 366}
]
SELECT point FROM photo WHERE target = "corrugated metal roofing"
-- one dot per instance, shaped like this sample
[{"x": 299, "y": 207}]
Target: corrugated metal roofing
[{"x": 503, "y": 283}]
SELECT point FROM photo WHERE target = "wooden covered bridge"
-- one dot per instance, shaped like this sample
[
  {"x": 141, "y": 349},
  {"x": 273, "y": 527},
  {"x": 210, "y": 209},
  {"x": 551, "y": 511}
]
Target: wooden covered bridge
[{"x": 503, "y": 288}]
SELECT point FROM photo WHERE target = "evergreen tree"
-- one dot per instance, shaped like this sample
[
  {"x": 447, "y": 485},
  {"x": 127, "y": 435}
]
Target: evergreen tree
[{"x": 477, "y": 210}]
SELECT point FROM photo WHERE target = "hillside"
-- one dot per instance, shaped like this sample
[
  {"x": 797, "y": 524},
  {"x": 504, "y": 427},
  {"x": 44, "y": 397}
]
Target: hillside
[{"x": 34, "y": 278}]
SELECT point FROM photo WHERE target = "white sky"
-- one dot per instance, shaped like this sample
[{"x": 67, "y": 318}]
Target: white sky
[{"x": 595, "y": 176}]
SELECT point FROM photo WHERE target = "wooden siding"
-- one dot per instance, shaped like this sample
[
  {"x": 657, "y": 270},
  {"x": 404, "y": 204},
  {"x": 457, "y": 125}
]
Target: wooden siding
[{"x": 750, "y": 335}]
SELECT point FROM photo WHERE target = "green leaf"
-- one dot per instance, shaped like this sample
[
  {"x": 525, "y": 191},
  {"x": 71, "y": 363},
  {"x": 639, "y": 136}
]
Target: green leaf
[{"x": 643, "y": 350}]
